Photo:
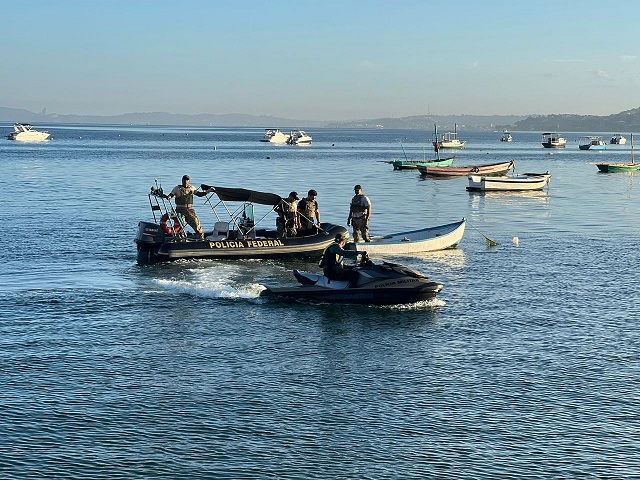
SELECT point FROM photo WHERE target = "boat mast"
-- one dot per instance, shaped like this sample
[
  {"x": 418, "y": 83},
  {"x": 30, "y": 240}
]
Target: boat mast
[{"x": 632, "y": 160}]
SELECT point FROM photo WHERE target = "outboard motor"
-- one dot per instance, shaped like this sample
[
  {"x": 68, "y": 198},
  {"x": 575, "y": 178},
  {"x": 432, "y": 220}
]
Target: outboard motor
[
  {"x": 149, "y": 238},
  {"x": 149, "y": 233}
]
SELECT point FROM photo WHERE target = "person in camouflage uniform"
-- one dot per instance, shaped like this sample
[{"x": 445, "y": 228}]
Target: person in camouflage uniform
[
  {"x": 359, "y": 214},
  {"x": 183, "y": 194},
  {"x": 288, "y": 221},
  {"x": 309, "y": 213}
]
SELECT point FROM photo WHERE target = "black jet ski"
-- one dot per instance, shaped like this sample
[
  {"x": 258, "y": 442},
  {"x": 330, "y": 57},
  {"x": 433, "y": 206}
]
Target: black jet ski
[{"x": 378, "y": 284}]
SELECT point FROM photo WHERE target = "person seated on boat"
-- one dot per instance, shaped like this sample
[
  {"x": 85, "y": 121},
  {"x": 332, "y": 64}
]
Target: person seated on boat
[
  {"x": 309, "y": 212},
  {"x": 332, "y": 261},
  {"x": 288, "y": 221},
  {"x": 359, "y": 214},
  {"x": 183, "y": 194}
]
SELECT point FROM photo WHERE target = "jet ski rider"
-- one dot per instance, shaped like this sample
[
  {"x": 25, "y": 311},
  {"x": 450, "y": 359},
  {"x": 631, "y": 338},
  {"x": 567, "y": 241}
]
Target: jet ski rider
[{"x": 332, "y": 261}]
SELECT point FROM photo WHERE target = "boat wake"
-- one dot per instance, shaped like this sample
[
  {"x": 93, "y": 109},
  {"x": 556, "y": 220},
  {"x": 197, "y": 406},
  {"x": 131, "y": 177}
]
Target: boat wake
[
  {"x": 426, "y": 304},
  {"x": 222, "y": 281}
]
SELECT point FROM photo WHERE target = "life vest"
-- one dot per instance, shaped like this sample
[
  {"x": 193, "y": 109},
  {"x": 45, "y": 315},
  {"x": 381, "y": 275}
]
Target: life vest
[
  {"x": 308, "y": 207},
  {"x": 329, "y": 258},
  {"x": 287, "y": 209},
  {"x": 185, "y": 199},
  {"x": 357, "y": 204}
]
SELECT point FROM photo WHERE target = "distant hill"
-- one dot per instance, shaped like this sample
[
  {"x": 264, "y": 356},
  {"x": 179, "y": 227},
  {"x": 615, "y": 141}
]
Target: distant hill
[
  {"x": 426, "y": 122},
  {"x": 627, "y": 121},
  {"x": 157, "y": 118}
]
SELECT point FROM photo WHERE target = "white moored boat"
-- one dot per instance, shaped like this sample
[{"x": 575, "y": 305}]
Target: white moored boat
[
  {"x": 526, "y": 181},
  {"x": 274, "y": 135},
  {"x": 23, "y": 132},
  {"x": 618, "y": 139},
  {"x": 429, "y": 239},
  {"x": 299, "y": 137}
]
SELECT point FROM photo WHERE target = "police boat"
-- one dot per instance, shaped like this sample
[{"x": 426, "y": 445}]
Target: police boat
[
  {"x": 235, "y": 234},
  {"x": 377, "y": 284}
]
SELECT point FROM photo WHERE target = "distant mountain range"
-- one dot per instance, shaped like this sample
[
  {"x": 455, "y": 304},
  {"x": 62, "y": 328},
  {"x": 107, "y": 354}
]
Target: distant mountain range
[{"x": 627, "y": 121}]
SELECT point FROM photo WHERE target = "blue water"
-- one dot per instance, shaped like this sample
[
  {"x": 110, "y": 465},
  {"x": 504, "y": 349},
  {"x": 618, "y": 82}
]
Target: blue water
[{"x": 527, "y": 364}]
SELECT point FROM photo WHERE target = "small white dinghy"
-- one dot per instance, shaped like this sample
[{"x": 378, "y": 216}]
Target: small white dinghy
[
  {"x": 416, "y": 241},
  {"x": 509, "y": 183}
]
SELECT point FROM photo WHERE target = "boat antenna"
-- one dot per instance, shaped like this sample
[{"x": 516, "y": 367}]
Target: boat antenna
[{"x": 405, "y": 154}]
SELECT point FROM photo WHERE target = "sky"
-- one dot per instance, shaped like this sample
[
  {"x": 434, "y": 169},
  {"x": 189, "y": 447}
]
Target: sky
[{"x": 323, "y": 59}]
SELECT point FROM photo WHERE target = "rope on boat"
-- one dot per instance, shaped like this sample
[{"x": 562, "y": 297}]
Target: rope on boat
[{"x": 490, "y": 243}]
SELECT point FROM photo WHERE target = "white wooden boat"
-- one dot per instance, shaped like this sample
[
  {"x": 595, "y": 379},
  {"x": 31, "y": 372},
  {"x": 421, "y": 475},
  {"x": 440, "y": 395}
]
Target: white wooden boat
[
  {"x": 429, "y": 239},
  {"x": 23, "y": 132},
  {"x": 509, "y": 183}
]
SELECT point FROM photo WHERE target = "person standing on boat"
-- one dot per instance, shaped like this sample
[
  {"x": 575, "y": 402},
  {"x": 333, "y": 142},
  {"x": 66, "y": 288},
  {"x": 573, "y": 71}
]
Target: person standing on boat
[
  {"x": 308, "y": 211},
  {"x": 183, "y": 194},
  {"x": 332, "y": 261},
  {"x": 288, "y": 221},
  {"x": 359, "y": 214}
]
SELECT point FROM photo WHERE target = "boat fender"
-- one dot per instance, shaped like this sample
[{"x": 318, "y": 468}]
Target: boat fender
[{"x": 170, "y": 228}]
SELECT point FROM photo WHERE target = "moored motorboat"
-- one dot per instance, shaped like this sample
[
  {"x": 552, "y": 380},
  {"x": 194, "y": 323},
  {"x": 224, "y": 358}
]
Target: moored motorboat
[
  {"x": 504, "y": 183},
  {"x": 591, "y": 142},
  {"x": 506, "y": 137},
  {"x": 499, "y": 168},
  {"x": 299, "y": 137},
  {"x": 429, "y": 239},
  {"x": 24, "y": 132},
  {"x": 618, "y": 139},
  {"x": 553, "y": 140},
  {"x": 376, "y": 284},
  {"x": 274, "y": 135},
  {"x": 238, "y": 237},
  {"x": 448, "y": 140}
]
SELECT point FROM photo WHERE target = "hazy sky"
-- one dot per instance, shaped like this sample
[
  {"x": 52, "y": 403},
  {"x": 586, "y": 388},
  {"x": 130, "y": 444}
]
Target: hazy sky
[{"x": 319, "y": 59}]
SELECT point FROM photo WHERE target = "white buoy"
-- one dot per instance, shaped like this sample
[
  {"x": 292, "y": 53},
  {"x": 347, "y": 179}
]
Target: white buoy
[{"x": 516, "y": 241}]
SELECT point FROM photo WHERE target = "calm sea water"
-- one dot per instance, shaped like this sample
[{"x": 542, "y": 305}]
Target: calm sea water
[{"x": 527, "y": 364}]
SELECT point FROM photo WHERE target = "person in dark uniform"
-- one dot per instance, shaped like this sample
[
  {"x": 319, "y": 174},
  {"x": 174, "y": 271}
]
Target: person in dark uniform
[
  {"x": 288, "y": 221},
  {"x": 309, "y": 213},
  {"x": 332, "y": 261}
]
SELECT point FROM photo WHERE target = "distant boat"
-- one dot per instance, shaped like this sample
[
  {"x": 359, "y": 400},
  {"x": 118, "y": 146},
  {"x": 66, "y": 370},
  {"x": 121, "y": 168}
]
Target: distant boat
[
  {"x": 413, "y": 164},
  {"x": 553, "y": 140},
  {"x": 274, "y": 135},
  {"x": 448, "y": 140},
  {"x": 618, "y": 139},
  {"x": 299, "y": 137},
  {"x": 506, "y": 137},
  {"x": 23, "y": 132},
  {"x": 487, "y": 169},
  {"x": 591, "y": 142},
  {"x": 620, "y": 167},
  {"x": 526, "y": 181}
]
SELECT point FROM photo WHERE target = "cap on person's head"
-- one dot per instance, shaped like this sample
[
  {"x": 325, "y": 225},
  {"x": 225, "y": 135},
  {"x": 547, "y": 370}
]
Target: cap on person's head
[
  {"x": 342, "y": 237},
  {"x": 313, "y": 193},
  {"x": 294, "y": 195},
  {"x": 358, "y": 187},
  {"x": 185, "y": 177}
]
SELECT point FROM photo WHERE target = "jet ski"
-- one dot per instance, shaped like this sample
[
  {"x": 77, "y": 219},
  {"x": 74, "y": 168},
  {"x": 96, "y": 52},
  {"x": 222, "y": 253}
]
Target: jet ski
[{"x": 378, "y": 284}]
